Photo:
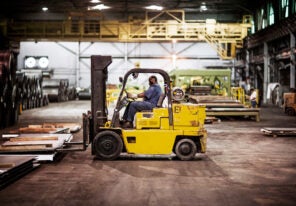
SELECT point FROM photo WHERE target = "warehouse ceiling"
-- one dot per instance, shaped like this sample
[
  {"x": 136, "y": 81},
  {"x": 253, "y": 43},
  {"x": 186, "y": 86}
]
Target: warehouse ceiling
[{"x": 13, "y": 8}]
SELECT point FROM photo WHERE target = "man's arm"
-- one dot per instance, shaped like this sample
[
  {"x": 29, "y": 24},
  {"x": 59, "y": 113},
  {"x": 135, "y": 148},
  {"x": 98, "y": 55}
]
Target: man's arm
[
  {"x": 135, "y": 96},
  {"x": 141, "y": 95}
]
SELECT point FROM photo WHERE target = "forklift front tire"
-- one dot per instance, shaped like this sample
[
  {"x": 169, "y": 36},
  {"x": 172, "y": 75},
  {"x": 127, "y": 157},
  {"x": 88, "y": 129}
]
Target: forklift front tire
[
  {"x": 185, "y": 149},
  {"x": 107, "y": 145}
]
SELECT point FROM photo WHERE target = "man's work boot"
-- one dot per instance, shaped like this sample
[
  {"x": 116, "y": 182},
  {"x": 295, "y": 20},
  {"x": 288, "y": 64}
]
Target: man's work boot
[{"x": 127, "y": 125}]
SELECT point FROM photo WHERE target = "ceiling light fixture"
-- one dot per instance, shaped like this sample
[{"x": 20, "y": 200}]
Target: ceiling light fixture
[
  {"x": 44, "y": 9},
  {"x": 154, "y": 7},
  {"x": 95, "y": 1},
  {"x": 30, "y": 62},
  {"x": 43, "y": 62},
  {"x": 203, "y": 7},
  {"x": 99, "y": 7}
]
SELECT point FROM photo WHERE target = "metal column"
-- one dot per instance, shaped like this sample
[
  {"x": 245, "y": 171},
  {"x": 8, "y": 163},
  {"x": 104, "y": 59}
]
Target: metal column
[
  {"x": 78, "y": 65},
  {"x": 292, "y": 64},
  {"x": 266, "y": 73}
]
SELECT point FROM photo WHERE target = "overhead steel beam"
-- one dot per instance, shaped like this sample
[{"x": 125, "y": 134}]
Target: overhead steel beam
[{"x": 222, "y": 36}]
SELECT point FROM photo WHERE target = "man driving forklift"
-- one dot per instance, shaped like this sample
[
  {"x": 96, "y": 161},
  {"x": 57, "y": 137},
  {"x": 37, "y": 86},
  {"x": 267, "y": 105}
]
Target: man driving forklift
[{"x": 150, "y": 99}]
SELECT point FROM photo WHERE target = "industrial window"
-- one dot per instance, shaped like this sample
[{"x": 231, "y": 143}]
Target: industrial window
[
  {"x": 253, "y": 27},
  {"x": 263, "y": 19},
  {"x": 270, "y": 14},
  {"x": 285, "y": 8}
]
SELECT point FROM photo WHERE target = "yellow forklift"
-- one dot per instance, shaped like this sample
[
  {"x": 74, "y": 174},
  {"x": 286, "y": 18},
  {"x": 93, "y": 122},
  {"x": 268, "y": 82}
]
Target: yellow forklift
[{"x": 177, "y": 128}]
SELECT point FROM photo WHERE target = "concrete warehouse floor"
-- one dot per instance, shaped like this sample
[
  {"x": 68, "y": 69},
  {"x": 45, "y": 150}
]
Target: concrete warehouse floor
[{"x": 241, "y": 167}]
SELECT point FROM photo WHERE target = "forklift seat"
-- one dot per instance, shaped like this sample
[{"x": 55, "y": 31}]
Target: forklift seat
[
  {"x": 159, "y": 103},
  {"x": 160, "y": 100}
]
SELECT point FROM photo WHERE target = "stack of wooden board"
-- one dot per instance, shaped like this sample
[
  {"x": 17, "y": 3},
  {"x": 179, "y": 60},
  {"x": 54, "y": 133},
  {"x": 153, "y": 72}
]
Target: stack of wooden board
[
  {"x": 217, "y": 106},
  {"x": 73, "y": 127},
  {"x": 209, "y": 98},
  {"x": 49, "y": 128},
  {"x": 250, "y": 112},
  {"x": 12, "y": 167},
  {"x": 37, "y": 144}
]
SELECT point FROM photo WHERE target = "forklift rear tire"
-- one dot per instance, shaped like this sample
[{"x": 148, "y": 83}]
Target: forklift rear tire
[
  {"x": 107, "y": 145},
  {"x": 185, "y": 149}
]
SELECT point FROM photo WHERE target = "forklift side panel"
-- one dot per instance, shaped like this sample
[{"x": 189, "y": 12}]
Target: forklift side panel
[{"x": 150, "y": 141}]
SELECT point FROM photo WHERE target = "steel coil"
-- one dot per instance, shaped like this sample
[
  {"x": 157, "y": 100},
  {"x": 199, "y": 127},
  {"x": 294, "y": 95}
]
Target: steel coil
[
  {"x": 7, "y": 94},
  {"x": 17, "y": 91},
  {"x": 57, "y": 90}
]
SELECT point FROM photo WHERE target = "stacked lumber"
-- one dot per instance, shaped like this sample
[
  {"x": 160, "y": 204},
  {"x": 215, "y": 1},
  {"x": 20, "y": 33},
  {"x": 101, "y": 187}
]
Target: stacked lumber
[
  {"x": 217, "y": 106},
  {"x": 208, "y": 98},
  {"x": 29, "y": 143},
  {"x": 34, "y": 143},
  {"x": 73, "y": 127},
  {"x": 215, "y": 101},
  {"x": 211, "y": 101},
  {"x": 49, "y": 128}
]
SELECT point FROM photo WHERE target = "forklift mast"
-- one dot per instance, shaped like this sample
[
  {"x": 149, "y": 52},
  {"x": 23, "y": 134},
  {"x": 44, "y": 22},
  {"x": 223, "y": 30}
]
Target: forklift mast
[{"x": 99, "y": 76}]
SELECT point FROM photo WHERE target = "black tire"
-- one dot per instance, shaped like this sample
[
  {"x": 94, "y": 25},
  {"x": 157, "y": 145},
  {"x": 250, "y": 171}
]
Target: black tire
[
  {"x": 107, "y": 145},
  {"x": 290, "y": 111},
  {"x": 185, "y": 149}
]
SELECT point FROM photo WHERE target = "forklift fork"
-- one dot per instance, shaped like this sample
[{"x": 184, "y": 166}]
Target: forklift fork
[{"x": 84, "y": 143}]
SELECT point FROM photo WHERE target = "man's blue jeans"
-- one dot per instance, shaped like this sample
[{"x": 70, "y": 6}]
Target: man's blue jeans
[{"x": 135, "y": 107}]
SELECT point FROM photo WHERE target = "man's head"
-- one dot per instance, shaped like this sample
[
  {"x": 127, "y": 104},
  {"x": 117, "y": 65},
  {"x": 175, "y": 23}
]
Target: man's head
[{"x": 152, "y": 80}]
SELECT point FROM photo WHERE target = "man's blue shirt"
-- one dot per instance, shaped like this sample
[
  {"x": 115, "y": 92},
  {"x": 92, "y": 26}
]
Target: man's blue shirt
[{"x": 152, "y": 94}]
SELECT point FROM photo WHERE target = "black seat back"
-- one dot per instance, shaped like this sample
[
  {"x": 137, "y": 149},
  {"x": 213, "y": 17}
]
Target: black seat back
[{"x": 160, "y": 100}]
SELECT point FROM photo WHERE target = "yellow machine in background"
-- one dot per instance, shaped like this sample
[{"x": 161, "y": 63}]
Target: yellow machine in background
[
  {"x": 238, "y": 93},
  {"x": 111, "y": 95},
  {"x": 203, "y": 81}
]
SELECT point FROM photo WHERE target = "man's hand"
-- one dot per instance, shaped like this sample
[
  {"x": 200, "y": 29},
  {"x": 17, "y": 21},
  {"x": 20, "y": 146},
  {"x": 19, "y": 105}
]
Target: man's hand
[{"x": 131, "y": 96}]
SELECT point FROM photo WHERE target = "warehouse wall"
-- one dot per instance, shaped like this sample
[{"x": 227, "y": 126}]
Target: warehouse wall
[{"x": 71, "y": 60}]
